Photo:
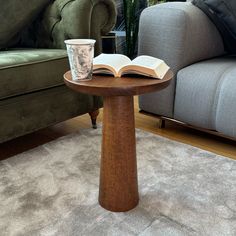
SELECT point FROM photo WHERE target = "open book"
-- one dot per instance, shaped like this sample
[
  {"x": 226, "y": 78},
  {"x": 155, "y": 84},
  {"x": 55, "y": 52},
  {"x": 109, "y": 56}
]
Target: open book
[{"x": 118, "y": 65}]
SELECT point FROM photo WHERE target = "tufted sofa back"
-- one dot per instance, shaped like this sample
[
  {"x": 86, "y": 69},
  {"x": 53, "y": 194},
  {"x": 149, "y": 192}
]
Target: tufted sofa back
[
  {"x": 65, "y": 19},
  {"x": 15, "y": 16}
]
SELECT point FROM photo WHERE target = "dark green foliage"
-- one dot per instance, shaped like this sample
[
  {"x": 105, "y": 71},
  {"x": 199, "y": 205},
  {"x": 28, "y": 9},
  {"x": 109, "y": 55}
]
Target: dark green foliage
[
  {"x": 132, "y": 11},
  {"x": 128, "y": 19}
]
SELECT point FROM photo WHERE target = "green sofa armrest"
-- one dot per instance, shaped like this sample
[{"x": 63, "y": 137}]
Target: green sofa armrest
[{"x": 66, "y": 19}]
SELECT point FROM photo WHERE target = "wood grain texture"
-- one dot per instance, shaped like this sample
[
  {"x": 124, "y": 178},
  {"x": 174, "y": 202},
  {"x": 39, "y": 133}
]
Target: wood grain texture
[
  {"x": 118, "y": 171},
  {"x": 172, "y": 131},
  {"x": 124, "y": 86},
  {"x": 162, "y": 120},
  {"x": 118, "y": 190},
  {"x": 93, "y": 115}
]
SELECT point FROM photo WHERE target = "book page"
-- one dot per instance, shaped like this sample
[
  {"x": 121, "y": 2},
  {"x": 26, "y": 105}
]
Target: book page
[
  {"x": 113, "y": 62},
  {"x": 147, "y": 61},
  {"x": 146, "y": 65}
]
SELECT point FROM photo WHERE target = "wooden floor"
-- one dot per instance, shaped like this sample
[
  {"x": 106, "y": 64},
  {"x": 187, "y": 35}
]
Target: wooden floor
[{"x": 173, "y": 131}]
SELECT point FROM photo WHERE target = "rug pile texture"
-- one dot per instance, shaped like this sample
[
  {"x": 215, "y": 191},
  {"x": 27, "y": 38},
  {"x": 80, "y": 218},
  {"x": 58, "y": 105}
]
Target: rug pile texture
[{"x": 53, "y": 190}]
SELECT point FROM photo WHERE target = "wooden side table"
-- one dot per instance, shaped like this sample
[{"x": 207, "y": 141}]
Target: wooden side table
[{"x": 118, "y": 189}]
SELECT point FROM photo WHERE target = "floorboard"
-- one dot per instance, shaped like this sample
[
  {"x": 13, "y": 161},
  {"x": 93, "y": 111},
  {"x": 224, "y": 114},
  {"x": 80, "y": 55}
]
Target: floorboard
[{"x": 173, "y": 131}]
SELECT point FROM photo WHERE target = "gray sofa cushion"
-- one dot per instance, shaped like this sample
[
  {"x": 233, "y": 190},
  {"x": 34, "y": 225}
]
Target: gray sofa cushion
[
  {"x": 200, "y": 93},
  {"x": 24, "y": 71},
  {"x": 226, "y": 109},
  {"x": 15, "y": 15}
]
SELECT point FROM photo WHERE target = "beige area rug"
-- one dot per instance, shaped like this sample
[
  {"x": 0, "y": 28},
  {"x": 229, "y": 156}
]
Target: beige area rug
[{"x": 53, "y": 190}]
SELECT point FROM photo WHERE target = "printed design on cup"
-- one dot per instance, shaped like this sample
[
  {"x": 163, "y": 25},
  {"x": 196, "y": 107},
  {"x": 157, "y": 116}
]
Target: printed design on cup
[
  {"x": 81, "y": 60},
  {"x": 84, "y": 59}
]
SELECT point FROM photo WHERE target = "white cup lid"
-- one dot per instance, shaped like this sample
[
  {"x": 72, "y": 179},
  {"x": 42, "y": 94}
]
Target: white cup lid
[{"x": 80, "y": 41}]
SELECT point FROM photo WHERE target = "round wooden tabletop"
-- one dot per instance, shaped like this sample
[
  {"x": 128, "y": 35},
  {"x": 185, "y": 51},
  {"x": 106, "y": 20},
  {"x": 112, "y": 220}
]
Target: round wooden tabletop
[{"x": 103, "y": 85}]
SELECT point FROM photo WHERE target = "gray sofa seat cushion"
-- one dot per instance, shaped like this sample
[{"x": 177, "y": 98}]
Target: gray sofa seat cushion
[
  {"x": 200, "y": 93},
  {"x": 226, "y": 109},
  {"x": 24, "y": 71}
]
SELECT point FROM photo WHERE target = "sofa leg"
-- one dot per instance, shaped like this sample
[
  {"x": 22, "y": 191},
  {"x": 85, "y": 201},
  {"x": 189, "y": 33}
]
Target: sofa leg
[
  {"x": 162, "y": 124},
  {"x": 93, "y": 116}
]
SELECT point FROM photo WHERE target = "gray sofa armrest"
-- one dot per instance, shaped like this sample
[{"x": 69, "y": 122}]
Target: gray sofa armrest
[{"x": 179, "y": 33}]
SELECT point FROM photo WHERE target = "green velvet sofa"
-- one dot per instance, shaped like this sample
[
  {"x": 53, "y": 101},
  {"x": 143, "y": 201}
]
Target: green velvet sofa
[{"x": 33, "y": 60}]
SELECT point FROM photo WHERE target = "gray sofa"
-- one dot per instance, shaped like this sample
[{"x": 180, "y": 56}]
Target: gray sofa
[{"x": 203, "y": 92}]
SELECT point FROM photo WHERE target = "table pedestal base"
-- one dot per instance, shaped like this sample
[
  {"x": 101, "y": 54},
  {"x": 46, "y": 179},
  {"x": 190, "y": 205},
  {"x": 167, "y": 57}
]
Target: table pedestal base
[{"x": 118, "y": 175}]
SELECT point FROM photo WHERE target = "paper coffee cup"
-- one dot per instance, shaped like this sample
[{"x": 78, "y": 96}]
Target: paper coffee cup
[{"x": 80, "y": 53}]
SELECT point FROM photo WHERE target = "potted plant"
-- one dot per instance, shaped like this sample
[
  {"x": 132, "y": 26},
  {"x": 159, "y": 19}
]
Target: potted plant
[
  {"x": 154, "y": 2},
  {"x": 128, "y": 20},
  {"x": 132, "y": 11}
]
